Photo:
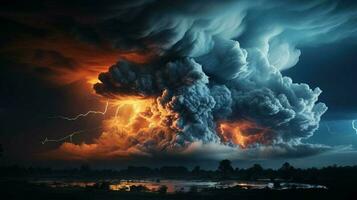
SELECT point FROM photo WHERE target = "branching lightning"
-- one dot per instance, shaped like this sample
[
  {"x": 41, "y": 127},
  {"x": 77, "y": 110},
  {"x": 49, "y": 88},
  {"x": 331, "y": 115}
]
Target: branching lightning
[
  {"x": 63, "y": 138},
  {"x": 85, "y": 114},
  {"x": 354, "y": 126},
  {"x": 70, "y": 136}
]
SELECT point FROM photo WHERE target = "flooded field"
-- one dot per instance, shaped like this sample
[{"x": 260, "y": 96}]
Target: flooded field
[{"x": 173, "y": 186}]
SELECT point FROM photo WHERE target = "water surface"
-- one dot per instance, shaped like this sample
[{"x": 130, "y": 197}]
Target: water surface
[{"x": 180, "y": 185}]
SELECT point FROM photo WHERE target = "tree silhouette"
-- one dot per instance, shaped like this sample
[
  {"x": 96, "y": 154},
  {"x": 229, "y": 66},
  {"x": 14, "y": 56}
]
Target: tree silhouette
[
  {"x": 162, "y": 189},
  {"x": 286, "y": 166},
  {"x": 196, "y": 170},
  {"x": 255, "y": 171},
  {"x": 286, "y": 170},
  {"x": 225, "y": 167},
  {"x": 257, "y": 168},
  {"x": 85, "y": 169}
]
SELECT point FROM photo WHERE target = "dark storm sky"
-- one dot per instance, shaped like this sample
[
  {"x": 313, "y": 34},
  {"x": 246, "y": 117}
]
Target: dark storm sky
[
  {"x": 43, "y": 43},
  {"x": 331, "y": 67}
]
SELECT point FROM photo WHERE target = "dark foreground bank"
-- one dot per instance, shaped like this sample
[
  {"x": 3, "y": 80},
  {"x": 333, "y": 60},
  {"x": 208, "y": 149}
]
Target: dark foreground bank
[{"x": 24, "y": 190}]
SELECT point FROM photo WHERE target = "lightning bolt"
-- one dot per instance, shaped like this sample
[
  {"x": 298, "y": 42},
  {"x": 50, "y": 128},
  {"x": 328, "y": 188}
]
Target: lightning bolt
[
  {"x": 85, "y": 114},
  {"x": 62, "y": 139},
  {"x": 354, "y": 126},
  {"x": 328, "y": 128},
  {"x": 70, "y": 136}
]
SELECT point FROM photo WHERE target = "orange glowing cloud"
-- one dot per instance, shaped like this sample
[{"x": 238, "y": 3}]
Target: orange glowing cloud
[
  {"x": 63, "y": 59},
  {"x": 243, "y": 133},
  {"x": 137, "y": 127}
]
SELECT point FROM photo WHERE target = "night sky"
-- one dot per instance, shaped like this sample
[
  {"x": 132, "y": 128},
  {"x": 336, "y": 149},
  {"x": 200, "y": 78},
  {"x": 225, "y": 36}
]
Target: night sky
[{"x": 206, "y": 66}]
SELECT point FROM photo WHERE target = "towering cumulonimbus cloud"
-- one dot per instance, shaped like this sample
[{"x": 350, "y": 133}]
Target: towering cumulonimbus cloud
[{"x": 217, "y": 67}]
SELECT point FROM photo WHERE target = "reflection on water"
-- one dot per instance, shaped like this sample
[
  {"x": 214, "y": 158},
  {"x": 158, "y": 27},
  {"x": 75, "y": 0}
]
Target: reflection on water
[
  {"x": 179, "y": 185},
  {"x": 172, "y": 185},
  {"x": 61, "y": 183}
]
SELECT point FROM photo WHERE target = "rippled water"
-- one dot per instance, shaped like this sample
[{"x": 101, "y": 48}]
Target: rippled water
[{"x": 179, "y": 185}]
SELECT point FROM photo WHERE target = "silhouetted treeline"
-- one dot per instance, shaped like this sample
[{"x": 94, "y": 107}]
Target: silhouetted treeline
[{"x": 225, "y": 170}]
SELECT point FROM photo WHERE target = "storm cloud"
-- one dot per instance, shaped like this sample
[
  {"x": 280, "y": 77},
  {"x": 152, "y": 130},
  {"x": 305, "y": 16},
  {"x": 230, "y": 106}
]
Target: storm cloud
[
  {"x": 214, "y": 62},
  {"x": 213, "y": 66}
]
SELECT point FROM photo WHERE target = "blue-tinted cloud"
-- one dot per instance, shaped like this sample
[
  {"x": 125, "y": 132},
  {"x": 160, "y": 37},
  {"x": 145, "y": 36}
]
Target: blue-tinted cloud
[{"x": 239, "y": 48}]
